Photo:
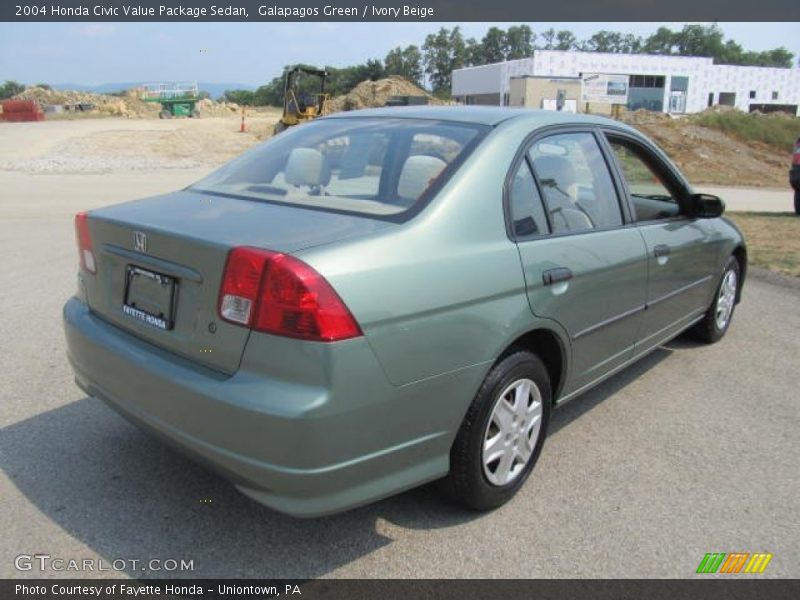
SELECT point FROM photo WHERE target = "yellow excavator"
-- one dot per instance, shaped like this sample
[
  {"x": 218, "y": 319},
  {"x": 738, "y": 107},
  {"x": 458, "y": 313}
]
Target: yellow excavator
[{"x": 300, "y": 106}]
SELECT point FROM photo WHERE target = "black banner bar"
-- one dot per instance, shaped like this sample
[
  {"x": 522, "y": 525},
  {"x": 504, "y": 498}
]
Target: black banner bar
[
  {"x": 398, "y": 10},
  {"x": 730, "y": 588}
]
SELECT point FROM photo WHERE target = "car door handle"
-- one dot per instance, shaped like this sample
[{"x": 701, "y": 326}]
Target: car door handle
[
  {"x": 556, "y": 275},
  {"x": 661, "y": 250}
]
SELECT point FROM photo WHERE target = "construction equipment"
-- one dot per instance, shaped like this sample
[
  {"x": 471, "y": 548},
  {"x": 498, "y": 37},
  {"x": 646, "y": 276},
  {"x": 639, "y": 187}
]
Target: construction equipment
[
  {"x": 299, "y": 105},
  {"x": 178, "y": 99}
]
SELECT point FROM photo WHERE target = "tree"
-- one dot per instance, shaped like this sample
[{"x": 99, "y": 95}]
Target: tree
[
  {"x": 406, "y": 62},
  {"x": 373, "y": 69},
  {"x": 473, "y": 52},
  {"x": 631, "y": 44},
  {"x": 549, "y": 37},
  {"x": 436, "y": 56},
  {"x": 494, "y": 45},
  {"x": 566, "y": 40},
  {"x": 10, "y": 89},
  {"x": 341, "y": 81},
  {"x": 661, "y": 42},
  {"x": 700, "y": 40},
  {"x": 779, "y": 57},
  {"x": 519, "y": 42},
  {"x": 603, "y": 41},
  {"x": 244, "y": 97},
  {"x": 708, "y": 40},
  {"x": 443, "y": 51},
  {"x": 612, "y": 41},
  {"x": 458, "y": 57},
  {"x": 599, "y": 42}
]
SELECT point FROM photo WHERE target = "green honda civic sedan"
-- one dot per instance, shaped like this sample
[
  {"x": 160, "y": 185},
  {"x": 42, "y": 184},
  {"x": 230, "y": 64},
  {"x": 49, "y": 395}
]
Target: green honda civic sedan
[{"x": 383, "y": 298}]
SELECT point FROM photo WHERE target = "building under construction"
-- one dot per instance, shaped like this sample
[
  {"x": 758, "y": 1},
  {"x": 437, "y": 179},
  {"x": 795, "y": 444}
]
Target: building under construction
[{"x": 671, "y": 84}]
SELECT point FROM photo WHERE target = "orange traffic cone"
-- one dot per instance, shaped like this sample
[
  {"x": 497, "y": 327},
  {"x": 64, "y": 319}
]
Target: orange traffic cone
[{"x": 243, "y": 127}]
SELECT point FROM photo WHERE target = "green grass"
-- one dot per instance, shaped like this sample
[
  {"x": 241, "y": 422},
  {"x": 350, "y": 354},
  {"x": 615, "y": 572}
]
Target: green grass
[
  {"x": 773, "y": 240},
  {"x": 778, "y": 131}
]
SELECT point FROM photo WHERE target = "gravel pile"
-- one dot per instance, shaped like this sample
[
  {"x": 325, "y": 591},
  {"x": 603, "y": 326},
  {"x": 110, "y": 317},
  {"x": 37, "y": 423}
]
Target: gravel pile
[{"x": 209, "y": 108}]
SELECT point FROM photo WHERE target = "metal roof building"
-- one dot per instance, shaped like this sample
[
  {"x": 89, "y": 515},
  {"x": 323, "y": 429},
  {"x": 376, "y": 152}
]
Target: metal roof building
[{"x": 675, "y": 84}]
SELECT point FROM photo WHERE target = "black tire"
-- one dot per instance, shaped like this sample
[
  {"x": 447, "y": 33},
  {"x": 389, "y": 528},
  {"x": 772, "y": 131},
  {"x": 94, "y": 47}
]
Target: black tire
[
  {"x": 708, "y": 330},
  {"x": 467, "y": 482},
  {"x": 797, "y": 202}
]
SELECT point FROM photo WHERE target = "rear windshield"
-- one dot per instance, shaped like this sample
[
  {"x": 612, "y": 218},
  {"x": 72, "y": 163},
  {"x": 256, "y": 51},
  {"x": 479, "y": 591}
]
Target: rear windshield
[{"x": 376, "y": 167}]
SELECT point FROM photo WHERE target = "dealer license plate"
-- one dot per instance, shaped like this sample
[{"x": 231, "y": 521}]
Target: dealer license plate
[{"x": 149, "y": 297}]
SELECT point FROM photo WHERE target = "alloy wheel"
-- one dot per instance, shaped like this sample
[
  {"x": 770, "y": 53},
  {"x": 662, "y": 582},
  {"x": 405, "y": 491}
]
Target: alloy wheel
[{"x": 726, "y": 299}]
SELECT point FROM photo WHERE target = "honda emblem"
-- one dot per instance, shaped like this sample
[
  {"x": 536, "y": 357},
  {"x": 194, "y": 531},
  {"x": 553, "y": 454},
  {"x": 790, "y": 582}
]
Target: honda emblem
[{"x": 139, "y": 241}]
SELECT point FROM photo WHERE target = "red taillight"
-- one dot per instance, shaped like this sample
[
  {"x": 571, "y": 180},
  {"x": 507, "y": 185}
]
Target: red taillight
[
  {"x": 241, "y": 283},
  {"x": 796, "y": 159},
  {"x": 84, "y": 242},
  {"x": 276, "y": 293}
]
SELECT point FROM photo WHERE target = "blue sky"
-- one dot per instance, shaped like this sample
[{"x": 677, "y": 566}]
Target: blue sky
[{"x": 253, "y": 53}]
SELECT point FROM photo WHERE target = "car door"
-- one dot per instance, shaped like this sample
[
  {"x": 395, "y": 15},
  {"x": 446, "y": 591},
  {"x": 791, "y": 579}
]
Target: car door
[
  {"x": 584, "y": 268},
  {"x": 681, "y": 250}
]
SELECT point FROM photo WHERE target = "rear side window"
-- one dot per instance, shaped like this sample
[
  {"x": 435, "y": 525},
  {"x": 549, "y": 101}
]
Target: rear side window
[
  {"x": 573, "y": 175},
  {"x": 525, "y": 204},
  {"x": 375, "y": 167}
]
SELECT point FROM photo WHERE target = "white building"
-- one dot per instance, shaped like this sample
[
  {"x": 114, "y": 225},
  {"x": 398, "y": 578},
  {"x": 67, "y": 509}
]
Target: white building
[{"x": 677, "y": 84}]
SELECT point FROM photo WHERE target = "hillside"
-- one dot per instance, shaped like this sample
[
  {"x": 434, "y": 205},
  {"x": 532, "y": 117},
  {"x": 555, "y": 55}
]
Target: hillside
[{"x": 709, "y": 155}]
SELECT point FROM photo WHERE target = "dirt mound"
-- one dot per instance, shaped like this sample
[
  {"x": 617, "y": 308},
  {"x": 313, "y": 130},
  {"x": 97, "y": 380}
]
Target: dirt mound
[
  {"x": 209, "y": 108},
  {"x": 369, "y": 94},
  {"x": 639, "y": 117},
  {"x": 718, "y": 109},
  {"x": 710, "y": 156}
]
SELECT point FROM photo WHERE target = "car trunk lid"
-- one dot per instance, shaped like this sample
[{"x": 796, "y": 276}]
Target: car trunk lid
[{"x": 160, "y": 262}]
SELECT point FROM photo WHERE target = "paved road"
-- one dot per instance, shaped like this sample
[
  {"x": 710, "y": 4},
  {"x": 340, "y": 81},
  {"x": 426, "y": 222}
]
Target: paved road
[
  {"x": 754, "y": 199},
  {"x": 693, "y": 450}
]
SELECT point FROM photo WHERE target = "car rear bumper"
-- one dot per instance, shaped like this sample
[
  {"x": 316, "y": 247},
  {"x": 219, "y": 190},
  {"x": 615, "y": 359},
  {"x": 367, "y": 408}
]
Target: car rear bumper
[
  {"x": 303, "y": 449},
  {"x": 794, "y": 177}
]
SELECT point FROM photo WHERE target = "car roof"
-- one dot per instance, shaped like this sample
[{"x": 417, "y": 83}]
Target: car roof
[{"x": 483, "y": 115}]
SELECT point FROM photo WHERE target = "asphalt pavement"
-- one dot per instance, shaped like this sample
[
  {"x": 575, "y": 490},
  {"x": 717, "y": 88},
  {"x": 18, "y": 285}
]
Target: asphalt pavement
[
  {"x": 754, "y": 199},
  {"x": 695, "y": 449}
]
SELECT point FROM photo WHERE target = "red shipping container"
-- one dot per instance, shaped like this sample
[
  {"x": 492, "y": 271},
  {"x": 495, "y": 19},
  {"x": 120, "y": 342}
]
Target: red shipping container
[
  {"x": 10, "y": 106},
  {"x": 21, "y": 110},
  {"x": 16, "y": 117}
]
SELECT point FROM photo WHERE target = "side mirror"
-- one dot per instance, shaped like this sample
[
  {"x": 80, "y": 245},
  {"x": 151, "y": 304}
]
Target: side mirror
[{"x": 706, "y": 206}]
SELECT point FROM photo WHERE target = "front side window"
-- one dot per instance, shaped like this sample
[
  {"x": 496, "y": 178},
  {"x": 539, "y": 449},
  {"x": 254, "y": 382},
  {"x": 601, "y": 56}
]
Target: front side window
[
  {"x": 374, "y": 167},
  {"x": 652, "y": 199},
  {"x": 573, "y": 175}
]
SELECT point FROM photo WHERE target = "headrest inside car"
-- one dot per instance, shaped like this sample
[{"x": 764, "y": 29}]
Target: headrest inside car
[
  {"x": 307, "y": 166},
  {"x": 417, "y": 174}
]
